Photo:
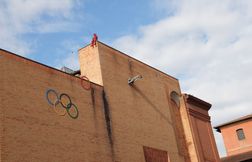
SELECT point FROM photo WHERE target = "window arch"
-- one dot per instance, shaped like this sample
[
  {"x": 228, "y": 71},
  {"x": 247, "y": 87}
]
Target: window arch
[
  {"x": 240, "y": 134},
  {"x": 175, "y": 97}
]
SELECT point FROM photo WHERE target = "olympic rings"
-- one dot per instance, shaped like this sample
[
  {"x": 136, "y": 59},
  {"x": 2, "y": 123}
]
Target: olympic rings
[
  {"x": 85, "y": 83},
  {"x": 65, "y": 101},
  {"x": 76, "y": 112},
  {"x": 48, "y": 92},
  {"x": 58, "y": 111},
  {"x": 61, "y": 98}
]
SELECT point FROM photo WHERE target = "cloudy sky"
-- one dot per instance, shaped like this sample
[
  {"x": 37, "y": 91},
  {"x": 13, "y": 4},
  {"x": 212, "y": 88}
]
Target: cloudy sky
[{"x": 206, "y": 44}]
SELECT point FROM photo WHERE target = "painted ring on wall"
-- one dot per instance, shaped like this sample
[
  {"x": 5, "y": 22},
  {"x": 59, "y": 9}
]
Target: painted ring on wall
[
  {"x": 74, "y": 108},
  {"x": 58, "y": 111},
  {"x": 85, "y": 83},
  {"x": 65, "y": 100},
  {"x": 54, "y": 93}
]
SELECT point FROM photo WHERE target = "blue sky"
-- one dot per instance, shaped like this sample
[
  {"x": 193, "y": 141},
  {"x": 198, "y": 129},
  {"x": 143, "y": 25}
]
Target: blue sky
[
  {"x": 52, "y": 34},
  {"x": 206, "y": 44}
]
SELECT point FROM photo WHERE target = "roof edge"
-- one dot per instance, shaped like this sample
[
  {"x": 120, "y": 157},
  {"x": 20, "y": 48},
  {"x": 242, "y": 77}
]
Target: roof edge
[
  {"x": 43, "y": 65},
  {"x": 197, "y": 101},
  {"x": 124, "y": 54},
  {"x": 247, "y": 117}
]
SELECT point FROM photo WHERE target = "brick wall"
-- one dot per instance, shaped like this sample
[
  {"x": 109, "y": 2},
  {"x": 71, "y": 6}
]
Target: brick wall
[
  {"x": 116, "y": 121},
  {"x": 31, "y": 131},
  {"x": 232, "y": 144},
  {"x": 139, "y": 115}
]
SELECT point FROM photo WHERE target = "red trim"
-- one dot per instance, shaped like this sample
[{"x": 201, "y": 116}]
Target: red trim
[{"x": 88, "y": 85}]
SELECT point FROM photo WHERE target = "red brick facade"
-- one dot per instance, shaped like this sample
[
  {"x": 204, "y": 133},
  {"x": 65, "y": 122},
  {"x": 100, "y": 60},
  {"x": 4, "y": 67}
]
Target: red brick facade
[{"x": 237, "y": 136}]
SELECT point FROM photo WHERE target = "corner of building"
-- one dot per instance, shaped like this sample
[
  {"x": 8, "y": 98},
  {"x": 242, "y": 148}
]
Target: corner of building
[
  {"x": 90, "y": 65},
  {"x": 201, "y": 129}
]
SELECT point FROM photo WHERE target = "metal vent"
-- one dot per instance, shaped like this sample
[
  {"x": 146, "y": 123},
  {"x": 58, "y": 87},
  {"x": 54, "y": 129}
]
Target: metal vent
[{"x": 67, "y": 70}]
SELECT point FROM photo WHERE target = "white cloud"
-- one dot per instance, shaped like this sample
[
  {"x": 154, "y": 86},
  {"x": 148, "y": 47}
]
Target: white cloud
[
  {"x": 18, "y": 17},
  {"x": 207, "y": 45}
]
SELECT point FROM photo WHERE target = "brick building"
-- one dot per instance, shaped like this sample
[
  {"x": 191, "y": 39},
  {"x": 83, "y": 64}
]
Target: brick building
[
  {"x": 237, "y": 136},
  {"x": 114, "y": 109}
]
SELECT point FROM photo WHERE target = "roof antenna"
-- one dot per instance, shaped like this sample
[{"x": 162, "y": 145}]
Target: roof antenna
[
  {"x": 133, "y": 79},
  {"x": 94, "y": 40}
]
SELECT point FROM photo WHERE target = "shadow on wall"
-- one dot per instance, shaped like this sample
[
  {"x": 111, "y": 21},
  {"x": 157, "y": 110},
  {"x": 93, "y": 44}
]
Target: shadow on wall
[{"x": 151, "y": 104}]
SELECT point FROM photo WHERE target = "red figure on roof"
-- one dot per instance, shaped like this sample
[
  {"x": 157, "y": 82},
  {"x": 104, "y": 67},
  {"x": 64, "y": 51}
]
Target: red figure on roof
[{"x": 94, "y": 40}]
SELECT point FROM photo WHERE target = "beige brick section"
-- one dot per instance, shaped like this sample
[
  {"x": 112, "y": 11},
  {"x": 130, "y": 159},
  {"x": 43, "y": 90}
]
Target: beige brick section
[{"x": 90, "y": 64}]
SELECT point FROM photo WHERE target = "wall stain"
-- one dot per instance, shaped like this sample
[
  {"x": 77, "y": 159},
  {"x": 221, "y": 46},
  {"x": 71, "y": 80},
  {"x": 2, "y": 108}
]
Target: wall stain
[
  {"x": 148, "y": 100},
  {"x": 93, "y": 96},
  {"x": 107, "y": 117},
  {"x": 108, "y": 123},
  {"x": 95, "y": 138}
]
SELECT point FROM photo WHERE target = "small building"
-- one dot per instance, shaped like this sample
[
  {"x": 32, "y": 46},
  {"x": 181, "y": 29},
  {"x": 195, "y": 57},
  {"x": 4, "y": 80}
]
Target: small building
[
  {"x": 237, "y": 136},
  {"x": 114, "y": 109}
]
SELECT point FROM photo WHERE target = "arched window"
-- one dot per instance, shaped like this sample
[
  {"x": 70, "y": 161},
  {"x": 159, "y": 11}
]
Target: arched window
[{"x": 240, "y": 134}]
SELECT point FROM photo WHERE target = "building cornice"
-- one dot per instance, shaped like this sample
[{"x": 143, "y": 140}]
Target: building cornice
[{"x": 197, "y": 102}]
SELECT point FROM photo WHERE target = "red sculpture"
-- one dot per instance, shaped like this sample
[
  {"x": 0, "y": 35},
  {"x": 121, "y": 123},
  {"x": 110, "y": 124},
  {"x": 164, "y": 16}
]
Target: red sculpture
[{"x": 94, "y": 40}]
